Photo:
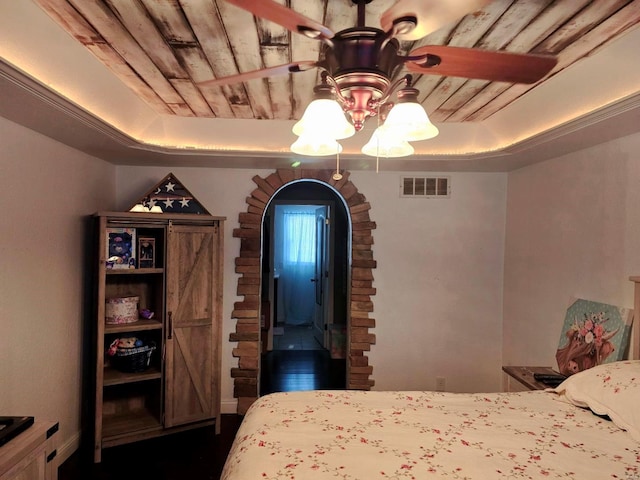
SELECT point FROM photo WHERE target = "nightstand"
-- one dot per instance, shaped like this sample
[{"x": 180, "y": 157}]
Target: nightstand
[{"x": 520, "y": 379}]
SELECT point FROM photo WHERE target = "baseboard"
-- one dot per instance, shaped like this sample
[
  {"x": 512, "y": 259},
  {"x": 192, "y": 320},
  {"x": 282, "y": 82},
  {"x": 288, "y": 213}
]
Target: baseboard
[{"x": 229, "y": 406}]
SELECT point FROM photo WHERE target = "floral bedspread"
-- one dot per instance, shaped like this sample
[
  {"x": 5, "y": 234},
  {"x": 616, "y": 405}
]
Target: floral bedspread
[{"x": 406, "y": 435}]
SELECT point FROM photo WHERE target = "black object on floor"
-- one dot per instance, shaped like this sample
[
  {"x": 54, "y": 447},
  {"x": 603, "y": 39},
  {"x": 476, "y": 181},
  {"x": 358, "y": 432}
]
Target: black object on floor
[{"x": 196, "y": 454}]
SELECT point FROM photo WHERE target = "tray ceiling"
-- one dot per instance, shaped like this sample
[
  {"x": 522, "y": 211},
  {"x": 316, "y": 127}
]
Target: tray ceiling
[{"x": 162, "y": 50}]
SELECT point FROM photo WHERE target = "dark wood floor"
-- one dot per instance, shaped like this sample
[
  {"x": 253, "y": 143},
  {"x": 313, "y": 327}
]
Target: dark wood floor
[
  {"x": 200, "y": 454},
  {"x": 196, "y": 454},
  {"x": 292, "y": 370}
]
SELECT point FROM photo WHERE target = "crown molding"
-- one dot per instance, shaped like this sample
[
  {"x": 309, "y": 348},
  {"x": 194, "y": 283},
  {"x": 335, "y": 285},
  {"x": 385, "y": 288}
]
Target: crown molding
[{"x": 26, "y": 101}]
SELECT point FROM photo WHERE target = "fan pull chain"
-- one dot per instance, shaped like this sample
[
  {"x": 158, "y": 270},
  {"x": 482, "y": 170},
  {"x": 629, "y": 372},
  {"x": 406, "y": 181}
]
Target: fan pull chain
[
  {"x": 378, "y": 142},
  {"x": 337, "y": 176}
]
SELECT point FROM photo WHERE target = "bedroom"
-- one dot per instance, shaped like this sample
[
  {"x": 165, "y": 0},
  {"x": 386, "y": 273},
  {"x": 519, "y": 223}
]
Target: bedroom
[{"x": 497, "y": 262}]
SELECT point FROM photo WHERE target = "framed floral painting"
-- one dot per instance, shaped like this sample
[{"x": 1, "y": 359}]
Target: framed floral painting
[{"x": 593, "y": 333}]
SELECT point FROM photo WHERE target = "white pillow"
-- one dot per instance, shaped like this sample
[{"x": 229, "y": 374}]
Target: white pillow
[{"x": 611, "y": 389}]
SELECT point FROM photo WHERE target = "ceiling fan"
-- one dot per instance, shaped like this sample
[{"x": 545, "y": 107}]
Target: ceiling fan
[{"x": 358, "y": 63}]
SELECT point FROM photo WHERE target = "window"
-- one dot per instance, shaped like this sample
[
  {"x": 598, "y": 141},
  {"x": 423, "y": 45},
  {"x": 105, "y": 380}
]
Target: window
[{"x": 299, "y": 229}]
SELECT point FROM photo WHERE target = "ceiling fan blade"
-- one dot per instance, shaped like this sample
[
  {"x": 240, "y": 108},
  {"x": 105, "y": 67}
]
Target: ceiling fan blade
[
  {"x": 481, "y": 64},
  {"x": 431, "y": 15},
  {"x": 283, "y": 16},
  {"x": 262, "y": 73}
]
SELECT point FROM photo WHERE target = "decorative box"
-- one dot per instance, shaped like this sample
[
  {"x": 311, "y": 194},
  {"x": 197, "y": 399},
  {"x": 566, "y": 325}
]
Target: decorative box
[{"x": 121, "y": 310}]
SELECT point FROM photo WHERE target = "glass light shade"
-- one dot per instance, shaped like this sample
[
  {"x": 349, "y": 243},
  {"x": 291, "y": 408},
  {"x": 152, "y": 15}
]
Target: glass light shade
[
  {"x": 409, "y": 121},
  {"x": 316, "y": 146},
  {"x": 324, "y": 116},
  {"x": 138, "y": 207},
  {"x": 384, "y": 144}
]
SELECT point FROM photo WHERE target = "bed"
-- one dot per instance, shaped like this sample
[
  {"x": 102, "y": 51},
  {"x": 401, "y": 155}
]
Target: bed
[{"x": 586, "y": 428}]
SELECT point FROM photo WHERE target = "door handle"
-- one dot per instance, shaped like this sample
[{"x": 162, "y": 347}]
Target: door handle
[
  {"x": 313, "y": 280},
  {"x": 170, "y": 333}
]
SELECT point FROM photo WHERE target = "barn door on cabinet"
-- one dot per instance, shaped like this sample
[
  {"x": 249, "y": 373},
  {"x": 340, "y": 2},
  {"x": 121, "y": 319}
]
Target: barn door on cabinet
[{"x": 192, "y": 376}]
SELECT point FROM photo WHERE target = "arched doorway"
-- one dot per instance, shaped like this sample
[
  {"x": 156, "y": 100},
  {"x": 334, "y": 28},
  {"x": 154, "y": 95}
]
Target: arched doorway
[
  {"x": 248, "y": 265},
  {"x": 304, "y": 288}
]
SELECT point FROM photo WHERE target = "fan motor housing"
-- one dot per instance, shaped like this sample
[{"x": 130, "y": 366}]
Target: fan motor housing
[
  {"x": 361, "y": 50},
  {"x": 362, "y": 61}
]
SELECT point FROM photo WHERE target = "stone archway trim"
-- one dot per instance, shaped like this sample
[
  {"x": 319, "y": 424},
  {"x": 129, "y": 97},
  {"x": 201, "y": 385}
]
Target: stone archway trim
[{"x": 247, "y": 264}]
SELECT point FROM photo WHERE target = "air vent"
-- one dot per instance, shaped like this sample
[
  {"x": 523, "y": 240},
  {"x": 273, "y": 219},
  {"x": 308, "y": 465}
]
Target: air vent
[{"x": 425, "y": 187}]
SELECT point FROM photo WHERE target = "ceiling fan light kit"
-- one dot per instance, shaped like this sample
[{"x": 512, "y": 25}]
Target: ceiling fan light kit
[
  {"x": 324, "y": 119},
  {"x": 358, "y": 65}
]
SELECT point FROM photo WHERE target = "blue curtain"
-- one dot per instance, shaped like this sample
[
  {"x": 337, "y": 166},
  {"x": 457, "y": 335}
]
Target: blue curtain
[{"x": 297, "y": 265}]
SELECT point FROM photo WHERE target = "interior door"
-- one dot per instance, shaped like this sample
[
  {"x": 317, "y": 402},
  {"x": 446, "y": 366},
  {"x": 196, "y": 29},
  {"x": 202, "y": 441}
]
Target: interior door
[
  {"x": 192, "y": 376},
  {"x": 321, "y": 277}
]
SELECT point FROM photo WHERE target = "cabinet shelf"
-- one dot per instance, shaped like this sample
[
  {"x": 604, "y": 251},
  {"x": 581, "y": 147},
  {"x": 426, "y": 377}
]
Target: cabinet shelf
[
  {"x": 134, "y": 271},
  {"x": 115, "y": 427},
  {"x": 138, "y": 326},
  {"x": 116, "y": 377}
]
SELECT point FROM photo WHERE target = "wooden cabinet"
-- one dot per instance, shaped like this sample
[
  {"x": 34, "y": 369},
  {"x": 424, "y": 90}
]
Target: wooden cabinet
[
  {"x": 30, "y": 455},
  {"x": 181, "y": 283}
]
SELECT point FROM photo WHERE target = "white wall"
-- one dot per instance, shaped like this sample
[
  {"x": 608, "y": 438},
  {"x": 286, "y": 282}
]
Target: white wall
[
  {"x": 438, "y": 304},
  {"x": 439, "y": 276},
  {"x": 48, "y": 191},
  {"x": 573, "y": 229}
]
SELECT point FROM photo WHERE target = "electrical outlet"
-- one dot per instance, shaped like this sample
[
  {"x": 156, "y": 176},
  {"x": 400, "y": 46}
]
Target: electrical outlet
[{"x": 440, "y": 384}]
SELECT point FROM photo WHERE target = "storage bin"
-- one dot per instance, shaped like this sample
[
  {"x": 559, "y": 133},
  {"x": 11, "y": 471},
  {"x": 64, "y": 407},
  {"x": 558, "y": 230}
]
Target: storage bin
[
  {"x": 121, "y": 310},
  {"x": 135, "y": 359}
]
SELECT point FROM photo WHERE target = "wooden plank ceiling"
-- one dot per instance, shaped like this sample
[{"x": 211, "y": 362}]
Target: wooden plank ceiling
[{"x": 163, "y": 50}]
